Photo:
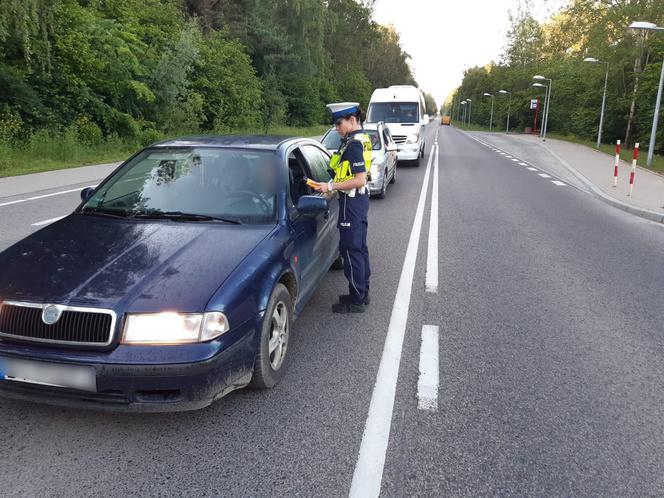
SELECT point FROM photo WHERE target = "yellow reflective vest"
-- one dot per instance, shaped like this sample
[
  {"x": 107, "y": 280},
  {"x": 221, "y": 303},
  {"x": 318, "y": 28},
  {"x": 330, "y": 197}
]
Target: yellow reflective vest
[{"x": 342, "y": 171}]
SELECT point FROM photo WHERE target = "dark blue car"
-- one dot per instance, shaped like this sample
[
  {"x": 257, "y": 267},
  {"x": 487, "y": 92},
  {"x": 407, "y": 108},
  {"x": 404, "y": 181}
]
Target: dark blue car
[{"x": 176, "y": 281}]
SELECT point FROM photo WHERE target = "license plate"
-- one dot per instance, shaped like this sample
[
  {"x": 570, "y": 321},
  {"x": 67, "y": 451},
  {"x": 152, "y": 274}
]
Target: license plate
[{"x": 48, "y": 374}]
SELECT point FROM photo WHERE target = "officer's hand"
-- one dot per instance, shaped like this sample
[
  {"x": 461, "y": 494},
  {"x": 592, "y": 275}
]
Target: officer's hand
[{"x": 321, "y": 187}]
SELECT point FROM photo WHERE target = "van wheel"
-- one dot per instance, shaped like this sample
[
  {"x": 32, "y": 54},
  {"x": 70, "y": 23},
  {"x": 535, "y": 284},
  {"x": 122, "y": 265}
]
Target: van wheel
[
  {"x": 394, "y": 175},
  {"x": 272, "y": 356}
]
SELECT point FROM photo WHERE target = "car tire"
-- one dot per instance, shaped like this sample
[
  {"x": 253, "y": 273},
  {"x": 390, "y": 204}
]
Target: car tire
[
  {"x": 394, "y": 175},
  {"x": 276, "y": 334},
  {"x": 383, "y": 188},
  {"x": 338, "y": 263}
]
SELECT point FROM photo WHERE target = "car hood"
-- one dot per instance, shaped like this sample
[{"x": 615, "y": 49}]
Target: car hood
[
  {"x": 403, "y": 129},
  {"x": 126, "y": 265}
]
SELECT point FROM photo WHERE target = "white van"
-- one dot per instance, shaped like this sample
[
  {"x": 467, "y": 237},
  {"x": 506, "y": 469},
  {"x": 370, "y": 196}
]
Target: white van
[{"x": 402, "y": 109}]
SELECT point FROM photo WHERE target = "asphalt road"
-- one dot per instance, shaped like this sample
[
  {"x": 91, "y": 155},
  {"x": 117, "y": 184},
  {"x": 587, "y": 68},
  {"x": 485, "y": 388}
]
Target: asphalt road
[{"x": 549, "y": 308}]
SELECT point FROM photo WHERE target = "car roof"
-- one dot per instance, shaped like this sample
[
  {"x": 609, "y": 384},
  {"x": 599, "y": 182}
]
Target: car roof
[{"x": 268, "y": 142}]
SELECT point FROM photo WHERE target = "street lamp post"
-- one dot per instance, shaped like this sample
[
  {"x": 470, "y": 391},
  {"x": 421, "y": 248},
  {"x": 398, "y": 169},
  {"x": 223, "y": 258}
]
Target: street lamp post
[
  {"x": 546, "y": 103},
  {"x": 463, "y": 116},
  {"x": 470, "y": 109},
  {"x": 606, "y": 79},
  {"x": 653, "y": 133},
  {"x": 490, "y": 119},
  {"x": 546, "y": 92},
  {"x": 509, "y": 104}
]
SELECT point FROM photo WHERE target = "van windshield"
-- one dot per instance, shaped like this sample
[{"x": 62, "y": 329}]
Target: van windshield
[{"x": 394, "y": 112}]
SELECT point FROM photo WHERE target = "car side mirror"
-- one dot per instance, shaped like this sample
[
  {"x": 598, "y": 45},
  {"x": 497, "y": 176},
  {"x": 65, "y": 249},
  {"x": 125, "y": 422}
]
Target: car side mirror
[
  {"x": 312, "y": 205},
  {"x": 426, "y": 119},
  {"x": 86, "y": 193}
]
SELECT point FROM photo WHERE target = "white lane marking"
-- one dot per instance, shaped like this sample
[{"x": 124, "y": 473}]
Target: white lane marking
[
  {"x": 427, "y": 384},
  {"x": 431, "y": 279},
  {"x": 368, "y": 474},
  {"x": 544, "y": 175},
  {"x": 515, "y": 160},
  {"x": 523, "y": 164},
  {"x": 508, "y": 156},
  {"x": 46, "y": 222},
  {"x": 44, "y": 196},
  {"x": 531, "y": 169},
  {"x": 559, "y": 183}
]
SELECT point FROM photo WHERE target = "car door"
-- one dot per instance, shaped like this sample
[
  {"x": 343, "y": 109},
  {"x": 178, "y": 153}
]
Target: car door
[
  {"x": 391, "y": 151},
  {"x": 327, "y": 244},
  {"x": 304, "y": 229}
]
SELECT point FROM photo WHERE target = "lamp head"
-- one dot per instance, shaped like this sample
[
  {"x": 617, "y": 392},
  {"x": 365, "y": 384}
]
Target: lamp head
[{"x": 643, "y": 25}]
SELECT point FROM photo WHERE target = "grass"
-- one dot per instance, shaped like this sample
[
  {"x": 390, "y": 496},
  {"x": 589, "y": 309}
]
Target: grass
[
  {"x": 474, "y": 127},
  {"x": 610, "y": 149},
  {"x": 46, "y": 151}
]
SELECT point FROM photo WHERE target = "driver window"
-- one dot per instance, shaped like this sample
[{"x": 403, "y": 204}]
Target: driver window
[
  {"x": 318, "y": 163},
  {"x": 297, "y": 176}
]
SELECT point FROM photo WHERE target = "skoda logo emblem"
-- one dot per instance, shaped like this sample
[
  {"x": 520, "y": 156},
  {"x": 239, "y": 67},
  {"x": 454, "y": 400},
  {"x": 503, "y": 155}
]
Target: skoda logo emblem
[{"x": 51, "y": 314}]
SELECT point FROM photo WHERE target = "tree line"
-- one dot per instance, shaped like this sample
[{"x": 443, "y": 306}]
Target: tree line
[
  {"x": 556, "y": 49},
  {"x": 139, "y": 69}
]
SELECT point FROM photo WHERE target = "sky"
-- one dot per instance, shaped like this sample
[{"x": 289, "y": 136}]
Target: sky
[{"x": 445, "y": 37}]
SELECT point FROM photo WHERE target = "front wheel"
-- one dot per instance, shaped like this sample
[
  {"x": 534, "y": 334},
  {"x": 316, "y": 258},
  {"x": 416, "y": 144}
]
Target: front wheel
[
  {"x": 394, "y": 175},
  {"x": 271, "y": 358},
  {"x": 383, "y": 188}
]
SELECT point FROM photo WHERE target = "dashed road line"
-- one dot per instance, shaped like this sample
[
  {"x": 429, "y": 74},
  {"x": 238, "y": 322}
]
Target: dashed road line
[
  {"x": 544, "y": 175},
  {"x": 37, "y": 197},
  {"x": 427, "y": 384},
  {"x": 431, "y": 278},
  {"x": 47, "y": 222},
  {"x": 559, "y": 183},
  {"x": 368, "y": 474}
]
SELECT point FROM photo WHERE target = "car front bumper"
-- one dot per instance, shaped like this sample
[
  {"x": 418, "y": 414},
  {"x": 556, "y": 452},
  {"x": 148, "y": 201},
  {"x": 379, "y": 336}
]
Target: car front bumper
[
  {"x": 191, "y": 384},
  {"x": 376, "y": 183},
  {"x": 408, "y": 152}
]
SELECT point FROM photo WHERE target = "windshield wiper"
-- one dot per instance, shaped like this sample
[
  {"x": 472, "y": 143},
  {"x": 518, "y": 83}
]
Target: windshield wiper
[
  {"x": 111, "y": 213},
  {"x": 179, "y": 215}
]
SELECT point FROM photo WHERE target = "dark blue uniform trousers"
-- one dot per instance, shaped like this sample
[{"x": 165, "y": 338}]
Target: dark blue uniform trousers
[{"x": 353, "y": 224}]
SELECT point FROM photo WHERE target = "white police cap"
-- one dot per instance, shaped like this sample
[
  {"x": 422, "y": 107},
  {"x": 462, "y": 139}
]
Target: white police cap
[{"x": 341, "y": 109}]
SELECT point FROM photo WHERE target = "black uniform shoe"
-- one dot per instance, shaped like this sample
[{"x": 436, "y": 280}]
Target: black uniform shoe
[
  {"x": 345, "y": 299},
  {"x": 348, "y": 308}
]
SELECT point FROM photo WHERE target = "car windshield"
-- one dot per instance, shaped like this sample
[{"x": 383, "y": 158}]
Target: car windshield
[
  {"x": 236, "y": 186},
  {"x": 332, "y": 140},
  {"x": 393, "y": 112}
]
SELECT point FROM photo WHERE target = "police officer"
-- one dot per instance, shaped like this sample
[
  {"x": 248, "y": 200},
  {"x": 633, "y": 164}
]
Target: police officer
[{"x": 351, "y": 166}]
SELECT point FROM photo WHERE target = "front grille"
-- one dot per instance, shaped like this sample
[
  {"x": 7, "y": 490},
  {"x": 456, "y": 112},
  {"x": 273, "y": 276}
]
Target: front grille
[
  {"x": 76, "y": 326},
  {"x": 399, "y": 139}
]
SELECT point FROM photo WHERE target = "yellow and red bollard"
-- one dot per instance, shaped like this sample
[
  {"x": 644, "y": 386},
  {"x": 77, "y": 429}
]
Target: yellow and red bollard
[
  {"x": 631, "y": 175},
  {"x": 616, "y": 163}
]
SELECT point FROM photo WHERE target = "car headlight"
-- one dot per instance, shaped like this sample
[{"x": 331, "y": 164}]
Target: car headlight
[
  {"x": 412, "y": 139},
  {"x": 173, "y": 328}
]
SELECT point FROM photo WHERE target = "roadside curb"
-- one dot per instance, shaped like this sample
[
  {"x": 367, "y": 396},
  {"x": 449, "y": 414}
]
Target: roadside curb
[{"x": 597, "y": 192}]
